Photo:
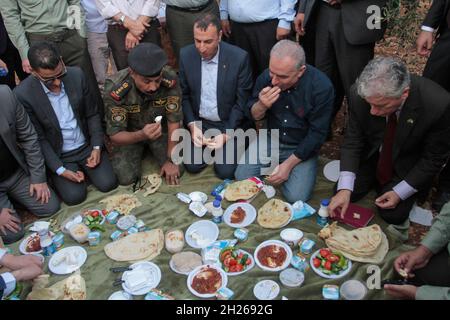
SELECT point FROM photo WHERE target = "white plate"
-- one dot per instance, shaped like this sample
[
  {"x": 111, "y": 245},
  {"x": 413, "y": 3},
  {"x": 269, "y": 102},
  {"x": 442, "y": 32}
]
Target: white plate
[
  {"x": 172, "y": 267},
  {"x": 120, "y": 295},
  {"x": 250, "y": 215},
  {"x": 249, "y": 267},
  {"x": 155, "y": 277},
  {"x": 208, "y": 230},
  {"x": 266, "y": 290},
  {"x": 23, "y": 244},
  {"x": 331, "y": 170},
  {"x": 194, "y": 272},
  {"x": 329, "y": 276},
  {"x": 278, "y": 243},
  {"x": 63, "y": 268}
]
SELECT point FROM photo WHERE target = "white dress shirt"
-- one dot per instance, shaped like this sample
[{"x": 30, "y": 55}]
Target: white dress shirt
[
  {"x": 208, "y": 97},
  {"x": 7, "y": 277},
  {"x": 130, "y": 8}
]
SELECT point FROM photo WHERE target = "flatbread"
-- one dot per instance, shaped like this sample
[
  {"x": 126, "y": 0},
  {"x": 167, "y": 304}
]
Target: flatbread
[
  {"x": 155, "y": 182},
  {"x": 123, "y": 203},
  {"x": 187, "y": 261},
  {"x": 71, "y": 288},
  {"x": 241, "y": 190},
  {"x": 139, "y": 246},
  {"x": 368, "y": 245},
  {"x": 274, "y": 214}
]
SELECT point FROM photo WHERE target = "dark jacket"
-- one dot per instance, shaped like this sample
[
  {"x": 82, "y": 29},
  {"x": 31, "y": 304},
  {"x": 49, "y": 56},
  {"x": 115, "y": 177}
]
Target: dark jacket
[
  {"x": 31, "y": 94},
  {"x": 421, "y": 144},
  {"x": 436, "y": 17}
]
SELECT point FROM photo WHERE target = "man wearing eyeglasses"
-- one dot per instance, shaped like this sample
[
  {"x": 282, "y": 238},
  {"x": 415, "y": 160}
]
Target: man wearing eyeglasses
[
  {"x": 134, "y": 99},
  {"x": 63, "y": 110}
]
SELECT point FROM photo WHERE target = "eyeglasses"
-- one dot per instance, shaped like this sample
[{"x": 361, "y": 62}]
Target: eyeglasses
[
  {"x": 49, "y": 81},
  {"x": 140, "y": 183}
]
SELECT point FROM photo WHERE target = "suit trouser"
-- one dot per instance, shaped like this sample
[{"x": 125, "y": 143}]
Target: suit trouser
[
  {"x": 116, "y": 38},
  {"x": 12, "y": 59},
  {"x": 17, "y": 188},
  {"x": 102, "y": 176},
  {"x": 100, "y": 52},
  {"x": 341, "y": 61},
  {"x": 257, "y": 39},
  {"x": 180, "y": 25},
  {"x": 74, "y": 51},
  {"x": 366, "y": 181}
]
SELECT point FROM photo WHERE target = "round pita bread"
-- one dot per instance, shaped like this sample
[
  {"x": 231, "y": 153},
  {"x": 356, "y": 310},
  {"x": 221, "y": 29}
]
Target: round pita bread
[
  {"x": 155, "y": 182},
  {"x": 187, "y": 261},
  {"x": 241, "y": 190},
  {"x": 139, "y": 246},
  {"x": 274, "y": 214}
]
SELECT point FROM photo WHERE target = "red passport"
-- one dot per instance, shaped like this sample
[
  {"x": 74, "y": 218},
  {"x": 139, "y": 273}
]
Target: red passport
[{"x": 356, "y": 216}]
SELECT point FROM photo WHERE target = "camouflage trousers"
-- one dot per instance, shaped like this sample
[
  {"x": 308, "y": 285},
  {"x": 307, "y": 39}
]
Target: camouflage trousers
[{"x": 127, "y": 160}]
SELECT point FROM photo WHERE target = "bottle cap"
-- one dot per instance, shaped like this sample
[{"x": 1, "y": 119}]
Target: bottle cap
[
  {"x": 216, "y": 203},
  {"x": 325, "y": 202}
]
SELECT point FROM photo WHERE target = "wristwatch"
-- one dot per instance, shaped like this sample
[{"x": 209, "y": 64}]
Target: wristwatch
[
  {"x": 96, "y": 148},
  {"x": 122, "y": 19}
]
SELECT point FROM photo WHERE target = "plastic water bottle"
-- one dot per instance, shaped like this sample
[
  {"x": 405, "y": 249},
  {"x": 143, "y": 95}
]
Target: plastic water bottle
[
  {"x": 47, "y": 246},
  {"x": 219, "y": 189},
  {"x": 217, "y": 212},
  {"x": 322, "y": 215}
]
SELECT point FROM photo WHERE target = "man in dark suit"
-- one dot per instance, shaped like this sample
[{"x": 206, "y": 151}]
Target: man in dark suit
[
  {"x": 396, "y": 141},
  {"x": 216, "y": 81},
  {"x": 345, "y": 32},
  {"x": 438, "y": 70},
  {"x": 22, "y": 171},
  {"x": 66, "y": 117}
]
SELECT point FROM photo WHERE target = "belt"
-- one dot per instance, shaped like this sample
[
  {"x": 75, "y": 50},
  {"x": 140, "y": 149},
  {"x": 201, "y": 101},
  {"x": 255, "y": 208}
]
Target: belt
[
  {"x": 116, "y": 25},
  {"x": 58, "y": 36},
  {"x": 194, "y": 9},
  {"x": 336, "y": 6}
]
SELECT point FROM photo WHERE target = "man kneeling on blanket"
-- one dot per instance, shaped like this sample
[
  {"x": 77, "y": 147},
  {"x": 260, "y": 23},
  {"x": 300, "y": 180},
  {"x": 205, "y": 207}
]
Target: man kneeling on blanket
[{"x": 428, "y": 266}]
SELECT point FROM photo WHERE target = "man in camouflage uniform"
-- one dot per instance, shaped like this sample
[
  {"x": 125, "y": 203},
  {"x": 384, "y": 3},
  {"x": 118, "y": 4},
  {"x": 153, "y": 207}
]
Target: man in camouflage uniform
[{"x": 134, "y": 97}]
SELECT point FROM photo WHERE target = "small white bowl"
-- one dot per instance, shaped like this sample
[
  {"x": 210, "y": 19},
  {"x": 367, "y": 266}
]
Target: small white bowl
[{"x": 291, "y": 236}]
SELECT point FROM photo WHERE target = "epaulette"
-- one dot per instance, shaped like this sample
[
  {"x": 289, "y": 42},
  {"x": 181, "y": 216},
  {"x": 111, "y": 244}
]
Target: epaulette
[{"x": 120, "y": 90}]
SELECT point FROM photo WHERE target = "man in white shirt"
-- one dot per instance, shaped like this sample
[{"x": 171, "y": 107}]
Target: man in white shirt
[
  {"x": 20, "y": 268},
  {"x": 130, "y": 22}
]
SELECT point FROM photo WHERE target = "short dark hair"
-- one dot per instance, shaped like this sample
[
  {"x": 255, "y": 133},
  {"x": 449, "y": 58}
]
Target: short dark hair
[
  {"x": 44, "y": 55},
  {"x": 204, "y": 21}
]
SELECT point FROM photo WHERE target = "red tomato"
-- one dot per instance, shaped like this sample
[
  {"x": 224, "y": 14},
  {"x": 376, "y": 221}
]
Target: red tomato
[
  {"x": 233, "y": 268},
  {"x": 227, "y": 261},
  {"x": 240, "y": 255},
  {"x": 94, "y": 214},
  {"x": 333, "y": 258},
  {"x": 316, "y": 262},
  {"x": 249, "y": 261},
  {"x": 105, "y": 212},
  {"x": 328, "y": 265},
  {"x": 233, "y": 262},
  {"x": 239, "y": 267},
  {"x": 324, "y": 252},
  {"x": 225, "y": 255}
]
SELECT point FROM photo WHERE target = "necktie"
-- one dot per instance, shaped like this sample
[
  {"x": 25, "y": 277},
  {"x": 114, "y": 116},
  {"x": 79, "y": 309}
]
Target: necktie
[{"x": 385, "y": 166}]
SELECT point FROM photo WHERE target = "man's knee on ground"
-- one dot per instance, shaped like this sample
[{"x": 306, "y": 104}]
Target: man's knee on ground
[
  {"x": 194, "y": 168},
  {"x": 225, "y": 171},
  {"x": 48, "y": 209},
  {"x": 393, "y": 216},
  {"x": 292, "y": 196},
  {"x": 241, "y": 173},
  {"x": 73, "y": 198},
  {"x": 108, "y": 183},
  {"x": 11, "y": 237}
]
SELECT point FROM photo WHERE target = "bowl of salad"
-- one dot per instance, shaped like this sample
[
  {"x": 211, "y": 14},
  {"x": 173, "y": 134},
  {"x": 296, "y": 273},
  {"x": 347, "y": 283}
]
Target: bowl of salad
[
  {"x": 330, "y": 264},
  {"x": 236, "y": 261}
]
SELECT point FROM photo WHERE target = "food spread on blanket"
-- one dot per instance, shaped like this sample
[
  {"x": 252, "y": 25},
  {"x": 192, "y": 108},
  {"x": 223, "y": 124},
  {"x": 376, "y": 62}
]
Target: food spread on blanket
[{"x": 135, "y": 242}]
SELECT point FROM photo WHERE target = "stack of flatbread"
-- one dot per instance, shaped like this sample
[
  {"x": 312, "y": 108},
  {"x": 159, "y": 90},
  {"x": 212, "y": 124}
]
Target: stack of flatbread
[
  {"x": 138, "y": 246},
  {"x": 154, "y": 180},
  {"x": 71, "y": 288},
  {"x": 123, "y": 203},
  {"x": 274, "y": 214},
  {"x": 369, "y": 244},
  {"x": 241, "y": 190}
]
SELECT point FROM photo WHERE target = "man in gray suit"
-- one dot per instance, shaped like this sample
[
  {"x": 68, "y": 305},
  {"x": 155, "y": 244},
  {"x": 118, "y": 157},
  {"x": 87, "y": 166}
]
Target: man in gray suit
[
  {"x": 66, "y": 117},
  {"x": 345, "y": 36},
  {"x": 22, "y": 170}
]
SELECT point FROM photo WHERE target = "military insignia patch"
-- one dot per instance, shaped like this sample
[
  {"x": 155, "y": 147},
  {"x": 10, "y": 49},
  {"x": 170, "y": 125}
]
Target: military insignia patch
[
  {"x": 118, "y": 114},
  {"x": 120, "y": 90},
  {"x": 173, "y": 104},
  {"x": 134, "y": 108},
  {"x": 161, "y": 102}
]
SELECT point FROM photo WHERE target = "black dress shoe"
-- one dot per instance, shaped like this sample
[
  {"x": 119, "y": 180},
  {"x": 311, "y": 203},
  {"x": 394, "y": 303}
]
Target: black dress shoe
[{"x": 441, "y": 199}]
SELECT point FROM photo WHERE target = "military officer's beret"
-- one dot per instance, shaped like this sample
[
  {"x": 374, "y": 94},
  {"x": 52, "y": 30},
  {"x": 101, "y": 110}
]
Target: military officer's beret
[{"x": 147, "y": 59}]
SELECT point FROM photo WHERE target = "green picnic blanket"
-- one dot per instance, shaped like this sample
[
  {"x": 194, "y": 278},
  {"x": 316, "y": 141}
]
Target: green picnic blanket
[{"x": 164, "y": 210}]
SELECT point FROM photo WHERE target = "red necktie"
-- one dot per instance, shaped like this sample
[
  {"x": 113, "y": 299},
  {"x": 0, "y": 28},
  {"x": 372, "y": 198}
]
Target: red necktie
[{"x": 385, "y": 166}]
